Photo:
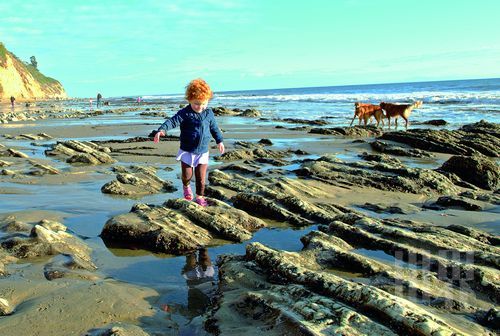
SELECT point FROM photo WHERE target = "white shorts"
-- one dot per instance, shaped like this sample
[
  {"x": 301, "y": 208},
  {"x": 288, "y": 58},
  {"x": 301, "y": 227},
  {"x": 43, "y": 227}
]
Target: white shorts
[{"x": 192, "y": 159}]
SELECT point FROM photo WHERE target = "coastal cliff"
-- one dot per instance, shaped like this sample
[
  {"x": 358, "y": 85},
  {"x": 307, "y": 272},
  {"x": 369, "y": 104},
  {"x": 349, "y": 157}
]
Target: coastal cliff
[{"x": 24, "y": 81}]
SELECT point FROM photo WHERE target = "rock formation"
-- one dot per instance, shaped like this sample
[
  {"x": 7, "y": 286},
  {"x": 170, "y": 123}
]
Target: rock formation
[{"x": 24, "y": 81}]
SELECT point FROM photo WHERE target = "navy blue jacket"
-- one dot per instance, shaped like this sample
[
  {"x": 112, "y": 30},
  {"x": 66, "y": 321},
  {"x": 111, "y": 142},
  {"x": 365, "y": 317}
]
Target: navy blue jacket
[{"x": 195, "y": 129}]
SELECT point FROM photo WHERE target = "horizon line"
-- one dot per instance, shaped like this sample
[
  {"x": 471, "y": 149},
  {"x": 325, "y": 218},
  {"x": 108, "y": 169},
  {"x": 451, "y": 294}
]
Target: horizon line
[
  {"x": 311, "y": 87},
  {"x": 385, "y": 83}
]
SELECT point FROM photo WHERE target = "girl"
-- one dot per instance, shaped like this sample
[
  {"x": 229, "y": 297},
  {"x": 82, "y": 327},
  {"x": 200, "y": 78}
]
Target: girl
[{"x": 197, "y": 123}]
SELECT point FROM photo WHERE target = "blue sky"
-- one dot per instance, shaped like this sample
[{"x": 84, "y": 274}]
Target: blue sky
[{"x": 141, "y": 47}]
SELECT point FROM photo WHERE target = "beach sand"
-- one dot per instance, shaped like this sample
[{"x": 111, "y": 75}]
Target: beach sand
[{"x": 79, "y": 303}]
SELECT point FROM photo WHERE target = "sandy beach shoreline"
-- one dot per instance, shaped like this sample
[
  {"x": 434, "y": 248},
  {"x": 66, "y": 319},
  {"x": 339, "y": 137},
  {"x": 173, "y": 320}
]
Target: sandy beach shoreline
[{"x": 87, "y": 289}]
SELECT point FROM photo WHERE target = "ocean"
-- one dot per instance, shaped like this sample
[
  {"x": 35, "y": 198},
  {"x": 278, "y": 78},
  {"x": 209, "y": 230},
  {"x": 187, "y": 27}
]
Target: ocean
[{"x": 458, "y": 101}]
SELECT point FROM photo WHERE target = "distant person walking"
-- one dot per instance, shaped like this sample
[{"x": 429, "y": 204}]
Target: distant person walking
[
  {"x": 139, "y": 99},
  {"x": 12, "y": 100},
  {"x": 99, "y": 97},
  {"x": 90, "y": 103}
]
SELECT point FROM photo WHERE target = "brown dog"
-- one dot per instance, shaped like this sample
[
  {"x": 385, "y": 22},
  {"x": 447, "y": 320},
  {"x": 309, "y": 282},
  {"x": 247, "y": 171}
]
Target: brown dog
[
  {"x": 397, "y": 110},
  {"x": 366, "y": 111}
]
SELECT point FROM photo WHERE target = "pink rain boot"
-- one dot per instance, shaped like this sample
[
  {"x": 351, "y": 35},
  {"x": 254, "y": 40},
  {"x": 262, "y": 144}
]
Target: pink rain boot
[
  {"x": 201, "y": 201},
  {"x": 188, "y": 194}
]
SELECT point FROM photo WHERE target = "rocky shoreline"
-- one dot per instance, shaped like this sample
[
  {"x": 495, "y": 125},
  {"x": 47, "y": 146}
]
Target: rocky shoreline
[{"x": 390, "y": 250}]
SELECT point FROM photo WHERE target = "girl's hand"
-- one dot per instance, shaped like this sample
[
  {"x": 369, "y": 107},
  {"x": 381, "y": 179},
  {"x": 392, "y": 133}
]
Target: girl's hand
[
  {"x": 220, "y": 145},
  {"x": 158, "y": 135}
]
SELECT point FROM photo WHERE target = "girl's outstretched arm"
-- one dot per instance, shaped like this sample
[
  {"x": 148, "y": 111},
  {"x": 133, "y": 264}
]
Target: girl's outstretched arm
[{"x": 172, "y": 122}]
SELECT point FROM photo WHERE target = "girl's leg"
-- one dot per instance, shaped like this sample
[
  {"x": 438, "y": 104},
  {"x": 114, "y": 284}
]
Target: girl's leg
[
  {"x": 200, "y": 173},
  {"x": 187, "y": 173}
]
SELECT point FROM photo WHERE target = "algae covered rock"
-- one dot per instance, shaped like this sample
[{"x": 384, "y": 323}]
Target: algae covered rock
[
  {"x": 179, "y": 226},
  {"x": 137, "y": 181},
  {"x": 478, "y": 170}
]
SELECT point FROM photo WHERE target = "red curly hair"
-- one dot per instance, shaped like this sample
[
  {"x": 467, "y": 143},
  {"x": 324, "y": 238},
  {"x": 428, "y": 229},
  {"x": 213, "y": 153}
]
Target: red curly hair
[{"x": 198, "y": 89}]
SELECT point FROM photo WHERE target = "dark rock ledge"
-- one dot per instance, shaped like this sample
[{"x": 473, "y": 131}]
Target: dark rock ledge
[
  {"x": 84, "y": 152},
  {"x": 47, "y": 238},
  {"x": 479, "y": 138},
  {"x": 442, "y": 270},
  {"x": 179, "y": 226},
  {"x": 277, "y": 290},
  {"x": 256, "y": 151},
  {"x": 136, "y": 181},
  {"x": 357, "y": 131},
  {"x": 275, "y": 200},
  {"x": 380, "y": 175}
]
